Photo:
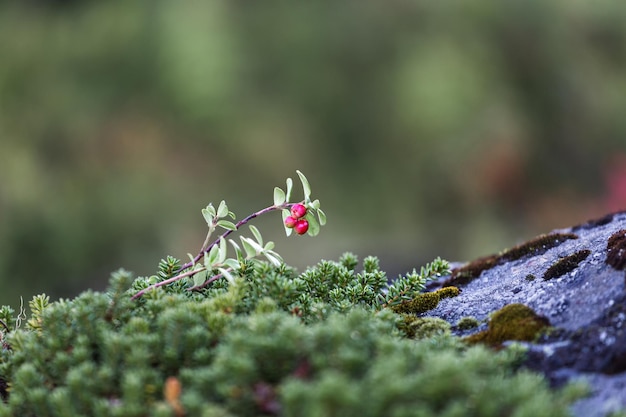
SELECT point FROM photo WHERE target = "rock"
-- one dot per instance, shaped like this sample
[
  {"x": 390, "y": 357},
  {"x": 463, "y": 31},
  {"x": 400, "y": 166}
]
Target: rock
[{"x": 575, "y": 279}]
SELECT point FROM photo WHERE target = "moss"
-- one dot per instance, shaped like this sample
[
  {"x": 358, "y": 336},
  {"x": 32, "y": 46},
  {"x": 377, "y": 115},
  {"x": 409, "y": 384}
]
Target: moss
[
  {"x": 616, "y": 250},
  {"x": 530, "y": 277},
  {"x": 424, "y": 327},
  {"x": 467, "y": 323},
  {"x": 512, "y": 322},
  {"x": 533, "y": 247},
  {"x": 590, "y": 224},
  {"x": 232, "y": 351},
  {"x": 566, "y": 264},
  {"x": 425, "y": 301},
  {"x": 467, "y": 273},
  {"x": 537, "y": 246}
]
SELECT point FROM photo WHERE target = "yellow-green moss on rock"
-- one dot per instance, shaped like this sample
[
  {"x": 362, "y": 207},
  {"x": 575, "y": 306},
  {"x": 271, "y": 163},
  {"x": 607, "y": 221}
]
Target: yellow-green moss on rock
[
  {"x": 425, "y": 301},
  {"x": 511, "y": 322},
  {"x": 466, "y": 323},
  {"x": 424, "y": 327}
]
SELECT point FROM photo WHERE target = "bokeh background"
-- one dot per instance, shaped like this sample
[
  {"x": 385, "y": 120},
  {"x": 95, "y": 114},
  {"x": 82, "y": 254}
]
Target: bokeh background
[{"x": 426, "y": 128}]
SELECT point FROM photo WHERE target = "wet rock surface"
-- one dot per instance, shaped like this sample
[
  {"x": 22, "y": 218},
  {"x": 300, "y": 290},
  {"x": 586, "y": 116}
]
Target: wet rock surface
[{"x": 574, "y": 278}]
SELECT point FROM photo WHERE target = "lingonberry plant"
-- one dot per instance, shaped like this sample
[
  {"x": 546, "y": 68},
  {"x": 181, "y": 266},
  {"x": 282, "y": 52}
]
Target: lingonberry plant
[{"x": 213, "y": 263}]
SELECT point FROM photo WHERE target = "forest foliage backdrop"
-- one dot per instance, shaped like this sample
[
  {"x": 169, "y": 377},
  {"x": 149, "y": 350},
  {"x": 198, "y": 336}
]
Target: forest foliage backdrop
[{"x": 426, "y": 128}]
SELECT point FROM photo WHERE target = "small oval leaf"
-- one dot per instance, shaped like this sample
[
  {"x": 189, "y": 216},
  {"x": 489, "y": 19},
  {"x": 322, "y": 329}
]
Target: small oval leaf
[
  {"x": 321, "y": 216},
  {"x": 238, "y": 252},
  {"x": 213, "y": 254},
  {"x": 286, "y": 214},
  {"x": 257, "y": 234},
  {"x": 257, "y": 248},
  {"x": 289, "y": 188},
  {"x": 222, "y": 209},
  {"x": 314, "y": 226},
  {"x": 223, "y": 248},
  {"x": 232, "y": 264},
  {"x": 250, "y": 251},
  {"x": 305, "y": 185},
  {"x": 199, "y": 279},
  {"x": 227, "y": 225},
  {"x": 208, "y": 217},
  {"x": 272, "y": 259},
  {"x": 210, "y": 209},
  {"x": 226, "y": 273},
  {"x": 279, "y": 196}
]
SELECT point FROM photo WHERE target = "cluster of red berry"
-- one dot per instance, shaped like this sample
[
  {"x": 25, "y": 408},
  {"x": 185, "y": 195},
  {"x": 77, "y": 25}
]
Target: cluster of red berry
[{"x": 296, "y": 220}]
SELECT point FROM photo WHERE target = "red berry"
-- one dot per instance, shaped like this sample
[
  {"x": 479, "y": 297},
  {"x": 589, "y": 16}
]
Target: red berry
[
  {"x": 298, "y": 210},
  {"x": 290, "y": 221},
  {"x": 301, "y": 226}
]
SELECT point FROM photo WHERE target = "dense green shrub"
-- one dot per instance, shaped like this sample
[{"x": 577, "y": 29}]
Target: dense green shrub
[{"x": 270, "y": 342}]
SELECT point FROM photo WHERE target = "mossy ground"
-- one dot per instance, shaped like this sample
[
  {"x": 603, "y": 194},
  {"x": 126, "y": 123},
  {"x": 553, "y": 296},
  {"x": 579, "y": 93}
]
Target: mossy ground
[{"x": 241, "y": 350}]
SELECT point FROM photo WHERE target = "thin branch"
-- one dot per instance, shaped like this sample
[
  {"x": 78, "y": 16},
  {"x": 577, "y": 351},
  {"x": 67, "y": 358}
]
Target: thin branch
[
  {"x": 205, "y": 283},
  {"x": 206, "y": 250},
  {"x": 167, "y": 281},
  {"x": 228, "y": 232}
]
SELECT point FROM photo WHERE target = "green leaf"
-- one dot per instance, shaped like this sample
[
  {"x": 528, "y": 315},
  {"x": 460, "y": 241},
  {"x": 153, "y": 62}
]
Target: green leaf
[
  {"x": 315, "y": 205},
  {"x": 227, "y": 225},
  {"x": 257, "y": 234},
  {"x": 270, "y": 257},
  {"x": 199, "y": 279},
  {"x": 208, "y": 217},
  {"x": 279, "y": 196},
  {"x": 213, "y": 254},
  {"x": 314, "y": 226},
  {"x": 305, "y": 185},
  {"x": 257, "y": 248},
  {"x": 286, "y": 214},
  {"x": 321, "y": 216},
  {"x": 238, "y": 252},
  {"x": 268, "y": 246},
  {"x": 222, "y": 210},
  {"x": 232, "y": 264},
  {"x": 226, "y": 273},
  {"x": 289, "y": 188},
  {"x": 250, "y": 251},
  {"x": 223, "y": 248}
]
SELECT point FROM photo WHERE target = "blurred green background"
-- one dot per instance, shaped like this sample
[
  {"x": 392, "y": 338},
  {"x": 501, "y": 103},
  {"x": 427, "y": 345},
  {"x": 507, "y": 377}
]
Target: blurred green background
[{"x": 426, "y": 128}]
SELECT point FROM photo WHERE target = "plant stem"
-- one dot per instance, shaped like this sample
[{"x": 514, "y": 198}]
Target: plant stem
[
  {"x": 228, "y": 232},
  {"x": 207, "y": 249},
  {"x": 167, "y": 281}
]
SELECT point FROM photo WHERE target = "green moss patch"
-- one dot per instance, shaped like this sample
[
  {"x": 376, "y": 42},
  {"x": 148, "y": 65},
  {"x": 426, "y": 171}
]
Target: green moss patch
[
  {"x": 511, "y": 322},
  {"x": 424, "y": 327},
  {"x": 566, "y": 264},
  {"x": 426, "y": 301},
  {"x": 252, "y": 347},
  {"x": 536, "y": 246},
  {"x": 467, "y": 323}
]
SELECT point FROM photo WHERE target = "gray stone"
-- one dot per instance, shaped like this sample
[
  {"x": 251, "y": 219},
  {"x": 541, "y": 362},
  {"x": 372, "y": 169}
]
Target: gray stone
[{"x": 583, "y": 297}]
